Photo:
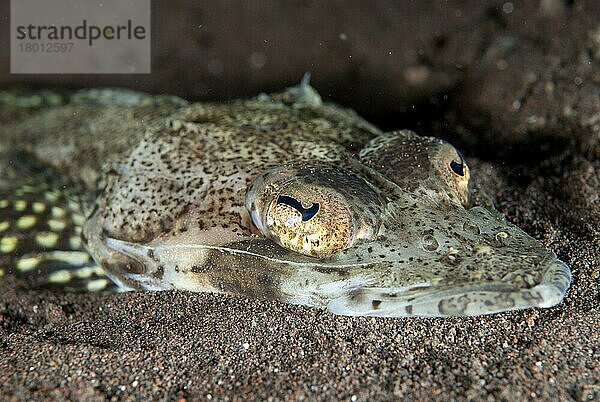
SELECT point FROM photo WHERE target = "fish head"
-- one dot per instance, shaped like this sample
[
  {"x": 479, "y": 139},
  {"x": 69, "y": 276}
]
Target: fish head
[{"x": 384, "y": 230}]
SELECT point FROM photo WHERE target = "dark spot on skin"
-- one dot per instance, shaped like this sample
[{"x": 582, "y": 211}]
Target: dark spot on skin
[
  {"x": 124, "y": 264},
  {"x": 376, "y": 304},
  {"x": 307, "y": 213},
  {"x": 408, "y": 309},
  {"x": 341, "y": 272},
  {"x": 160, "y": 272},
  {"x": 355, "y": 294}
]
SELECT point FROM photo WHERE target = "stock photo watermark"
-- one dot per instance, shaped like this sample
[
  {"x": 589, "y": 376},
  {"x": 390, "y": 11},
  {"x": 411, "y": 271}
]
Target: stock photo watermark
[{"x": 80, "y": 37}]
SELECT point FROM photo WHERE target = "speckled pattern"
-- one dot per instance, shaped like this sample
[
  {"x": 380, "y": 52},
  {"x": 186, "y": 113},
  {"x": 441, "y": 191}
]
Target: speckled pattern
[{"x": 213, "y": 197}]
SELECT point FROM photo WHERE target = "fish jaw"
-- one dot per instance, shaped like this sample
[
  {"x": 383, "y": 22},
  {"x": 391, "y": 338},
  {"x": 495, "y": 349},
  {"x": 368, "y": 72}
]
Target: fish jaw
[
  {"x": 470, "y": 300},
  {"x": 255, "y": 267}
]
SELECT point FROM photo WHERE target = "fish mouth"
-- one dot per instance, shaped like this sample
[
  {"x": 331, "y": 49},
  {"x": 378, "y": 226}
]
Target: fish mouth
[
  {"x": 158, "y": 258},
  {"x": 348, "y": 284},
  {"x": 345, "y": 288},
  {"x": 471, "y": 300},
  {"x": 251, "y": 268}
]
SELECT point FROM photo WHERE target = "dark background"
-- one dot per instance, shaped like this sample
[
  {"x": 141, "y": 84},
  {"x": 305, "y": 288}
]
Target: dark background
[{"x": 398, "y": 63}]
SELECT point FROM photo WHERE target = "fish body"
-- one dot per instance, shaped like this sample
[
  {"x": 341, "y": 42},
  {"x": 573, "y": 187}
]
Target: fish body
[{"x": 281, "y": 196}]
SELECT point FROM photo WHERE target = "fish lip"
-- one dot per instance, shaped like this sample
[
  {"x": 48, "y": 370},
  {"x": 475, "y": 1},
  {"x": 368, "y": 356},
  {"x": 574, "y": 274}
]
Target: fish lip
[
  {"x": 136, "y": 265},
  {"x": 551, "y": 290},
  {"x": 147, "y": 254},
  {"x": 130, "y": 259},
  {"x": 116, "y": 264},
  {"x": 423, "y": 299}
]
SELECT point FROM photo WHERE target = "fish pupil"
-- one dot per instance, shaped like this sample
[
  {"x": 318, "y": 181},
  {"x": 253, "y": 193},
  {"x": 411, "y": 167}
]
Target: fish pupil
[
  {"x": 307, "y": 213},
  {"x": 457, "y": 168}
]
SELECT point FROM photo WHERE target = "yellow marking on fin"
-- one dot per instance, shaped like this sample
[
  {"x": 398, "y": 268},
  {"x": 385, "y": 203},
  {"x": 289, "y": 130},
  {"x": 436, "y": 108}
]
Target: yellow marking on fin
[
  {"x": 2, "y": 271},
  {"x": 73, "y": 206},
  {"x": 51, "y": 196},
  {"x": 46, "y": 239},
  {"x": 3, "y": 204},
  {"x": 61, "y": 276},
  {"x": 75, "y": 242},
  {"x": 8, "y": 244},
  {"x": 87, "y": 272},
  {"x": 56, "y": 225},
  {"x": 58, "y": 212},
  {"x": 38, "y": 207},
  {"x": 78, "y": 219},
  {"x": 26, "y": 222},
  {"x": 97, "y": 285},
  {"x": 20, "y": 205},
  {"x": 69, "y": 257},
  {"x": 28, "y": 264},
  {"x": 4, "y": 226}
]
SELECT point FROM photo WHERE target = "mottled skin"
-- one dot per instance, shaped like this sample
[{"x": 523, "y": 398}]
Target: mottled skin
[{"x": 282, "y": 197}]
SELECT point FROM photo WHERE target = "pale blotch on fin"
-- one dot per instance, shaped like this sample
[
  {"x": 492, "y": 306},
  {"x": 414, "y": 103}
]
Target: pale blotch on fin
[
  {"x": 75, "y": 242},
  {"x": 46, "y": 239},
  {"x": 58, "y": 212},
  {"x": 78, "y": 220},
  {"x": 51, "y": 196},
  {"x": 26, "y": 222},
  {"x": 38, "y": 207},
  {"x": 8, "y": 244},
  {"x": 56, "y": 225},
  {"x": 97, "y": 285},
  {"x": 61, "y": 276},
  {"x": 87, "y": 272},
  {"x": 25, "y": 264},
  {"x": 20, "y": 205}
]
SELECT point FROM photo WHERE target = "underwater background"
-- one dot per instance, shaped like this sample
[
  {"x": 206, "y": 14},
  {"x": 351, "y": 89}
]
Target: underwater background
[{"x": 514, "y": 85}]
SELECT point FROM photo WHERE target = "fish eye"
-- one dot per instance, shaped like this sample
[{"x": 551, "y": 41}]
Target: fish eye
[
  {"x": 457, "y": 167},
  {"x": 319, "y": 225},
  {"x": 458, "y": 176},
  {"x": 311, "y": 211}
]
